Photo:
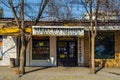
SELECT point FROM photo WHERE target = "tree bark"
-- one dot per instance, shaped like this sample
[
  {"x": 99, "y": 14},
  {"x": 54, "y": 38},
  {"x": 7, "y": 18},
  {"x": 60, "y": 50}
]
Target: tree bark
[
  {"x": 92, "y": 70},
  {"x": 22, "y": 50},
  {"x": 22, "y": 56}
]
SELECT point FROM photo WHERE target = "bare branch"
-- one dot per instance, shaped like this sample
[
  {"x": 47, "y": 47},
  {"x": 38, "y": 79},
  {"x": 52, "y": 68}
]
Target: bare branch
[
  {"x": 14, "y": 12},
  {"x": 96, "y": 15},
  {"x": 22, "y": 13},
  {"x": 85, "y": 6},
  {"x": 41, "y": 9}
]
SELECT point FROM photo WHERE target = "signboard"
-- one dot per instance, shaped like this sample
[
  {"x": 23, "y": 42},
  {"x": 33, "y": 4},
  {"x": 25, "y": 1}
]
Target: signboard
[
  {"x": 58, "y": 30},
  {"x": 108, "y": 28},
  {"x": 105, "y": 28}
]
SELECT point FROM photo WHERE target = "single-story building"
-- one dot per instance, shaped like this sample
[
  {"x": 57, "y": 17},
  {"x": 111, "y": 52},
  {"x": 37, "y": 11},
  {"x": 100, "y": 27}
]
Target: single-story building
[{"x": 68, "y": 44}]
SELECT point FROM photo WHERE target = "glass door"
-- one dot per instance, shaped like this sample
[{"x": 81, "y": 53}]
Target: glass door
[{"x": 67, "y": 53}]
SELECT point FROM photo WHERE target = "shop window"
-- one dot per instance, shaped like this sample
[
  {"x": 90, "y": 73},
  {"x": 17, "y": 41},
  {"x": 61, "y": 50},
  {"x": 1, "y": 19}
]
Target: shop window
[
  {"x": 104, "y": 45},
  {"x": 40, "y": 47},
  {"x": 1, "y": 48}
]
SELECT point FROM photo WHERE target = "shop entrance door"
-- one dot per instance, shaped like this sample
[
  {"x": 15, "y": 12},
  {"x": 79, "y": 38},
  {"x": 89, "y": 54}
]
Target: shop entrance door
[{"x": 67, "y": 53}]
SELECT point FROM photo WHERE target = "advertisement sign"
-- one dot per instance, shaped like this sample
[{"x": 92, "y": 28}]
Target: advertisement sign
[{"x": 58, "y": 30}]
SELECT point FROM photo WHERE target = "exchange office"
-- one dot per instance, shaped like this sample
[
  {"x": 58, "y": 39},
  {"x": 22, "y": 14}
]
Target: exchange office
[{"x": 56, "y": 46}]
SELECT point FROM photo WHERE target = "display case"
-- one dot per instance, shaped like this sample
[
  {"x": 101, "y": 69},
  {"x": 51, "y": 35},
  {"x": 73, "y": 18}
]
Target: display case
[{"x": 40, "y": 48}]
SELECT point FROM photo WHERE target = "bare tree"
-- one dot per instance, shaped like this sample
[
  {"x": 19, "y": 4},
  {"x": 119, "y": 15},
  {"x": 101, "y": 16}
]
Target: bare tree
[
  {"x": 99, "y": 10},
  {"x": 20, "y": 19},
  {"x": 89, "y": 6},
  {"x": 60, "y": 10},
  {"x": 109, "y": 10}
]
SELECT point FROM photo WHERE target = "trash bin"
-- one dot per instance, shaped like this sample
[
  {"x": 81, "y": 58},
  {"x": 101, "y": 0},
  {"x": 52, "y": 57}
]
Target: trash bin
[{"x": 12, "y": 62}]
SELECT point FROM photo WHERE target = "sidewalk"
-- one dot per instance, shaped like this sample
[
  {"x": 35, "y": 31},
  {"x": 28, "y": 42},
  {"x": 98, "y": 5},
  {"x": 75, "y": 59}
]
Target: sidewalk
[{"x": 60, "y": 73}]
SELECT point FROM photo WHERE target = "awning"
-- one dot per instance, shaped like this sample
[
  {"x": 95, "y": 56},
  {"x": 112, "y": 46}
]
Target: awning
[
  {"x": 14, "y": 30},
  {"x": 9, "y": 30},
  {"x": 58, "y": 30},
  {"x": 28, "y": 30}
]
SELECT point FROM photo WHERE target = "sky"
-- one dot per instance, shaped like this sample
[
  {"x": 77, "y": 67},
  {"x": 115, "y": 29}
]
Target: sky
[
  {"x": 77, "y": 11},
  {"x": 32, "y": 9}
]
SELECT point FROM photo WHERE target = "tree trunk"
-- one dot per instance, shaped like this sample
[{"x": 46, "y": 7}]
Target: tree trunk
[
  {"x": 22, "y": 38},
  {"x": 92, "y": 70},
  {"x": 22, "y": 55},
  {"x": 92, "y": 39}
]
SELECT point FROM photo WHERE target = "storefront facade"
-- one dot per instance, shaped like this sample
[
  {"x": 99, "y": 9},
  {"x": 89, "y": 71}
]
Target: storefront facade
[
  {"x": 107, "y": 47},
  {"x": 59, "y": 49},
  {"x": 57, "y": 46},
  {"x": 66, "y": 45}
]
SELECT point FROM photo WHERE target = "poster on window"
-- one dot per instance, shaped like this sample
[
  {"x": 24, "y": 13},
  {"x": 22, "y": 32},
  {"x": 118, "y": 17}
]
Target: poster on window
[{"x": 104, "y": 45}]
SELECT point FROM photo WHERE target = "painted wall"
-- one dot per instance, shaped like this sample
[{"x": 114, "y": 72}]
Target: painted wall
[{"x": 9, "y": 50}]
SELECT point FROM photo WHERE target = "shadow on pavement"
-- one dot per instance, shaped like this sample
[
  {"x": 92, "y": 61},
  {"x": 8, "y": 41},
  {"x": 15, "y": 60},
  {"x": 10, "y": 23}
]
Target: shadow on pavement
[
  {"x": 114, "y": 73},
  {"x": 37, "y": 69},
  {"x": 102, "y": 66},
  {"x": 98, "y": 69}
]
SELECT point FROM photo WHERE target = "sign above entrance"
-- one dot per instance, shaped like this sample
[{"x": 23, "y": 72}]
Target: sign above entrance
[{"x": 58, "y": 30}]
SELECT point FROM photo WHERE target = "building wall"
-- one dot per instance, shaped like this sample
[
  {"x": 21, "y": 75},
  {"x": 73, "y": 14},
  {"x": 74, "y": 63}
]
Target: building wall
[
  {"x": 81, "y": 51},
  {"x": 86, "y": 50},
  {"x": 103, "y": 62},
  {"x": 86, "y": 57},
  {"x": 112, "y": 62},
  {"x": 9, "y": 50},
  {"x": 53, "y": 54},
  {"x": 117, "y": 49}
]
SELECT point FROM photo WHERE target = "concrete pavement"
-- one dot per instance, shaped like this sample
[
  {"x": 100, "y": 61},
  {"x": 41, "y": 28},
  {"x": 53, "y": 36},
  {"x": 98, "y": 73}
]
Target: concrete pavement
[{"x": 60, "y": 73}]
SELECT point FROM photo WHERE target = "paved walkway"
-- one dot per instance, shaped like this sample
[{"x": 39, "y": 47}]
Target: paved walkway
[{"x": 60, "y": 73}]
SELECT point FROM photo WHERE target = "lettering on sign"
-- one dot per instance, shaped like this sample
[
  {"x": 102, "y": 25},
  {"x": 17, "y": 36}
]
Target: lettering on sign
[
  {"x": 108, "y": 28},
  {"x": 58, "y": 31}
]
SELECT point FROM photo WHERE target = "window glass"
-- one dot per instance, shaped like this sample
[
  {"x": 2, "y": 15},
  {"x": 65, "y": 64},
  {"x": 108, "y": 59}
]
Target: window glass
[
  {"x": 40, "y": 48},
  {"x": 104, "y": 45}
]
